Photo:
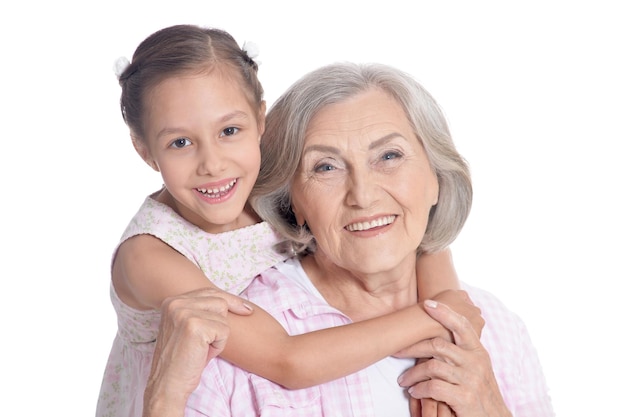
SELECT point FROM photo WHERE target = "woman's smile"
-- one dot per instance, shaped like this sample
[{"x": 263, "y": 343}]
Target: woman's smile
[{"x": 371, "y": 224}]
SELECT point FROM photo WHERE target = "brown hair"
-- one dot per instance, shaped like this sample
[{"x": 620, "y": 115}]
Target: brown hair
[{"x": 177, "y": 50}]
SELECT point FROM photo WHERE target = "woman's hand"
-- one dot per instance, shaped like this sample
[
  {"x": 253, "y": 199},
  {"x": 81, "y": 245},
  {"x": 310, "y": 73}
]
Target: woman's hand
[
  {"x": 460, "y": 302},
  {"x": 460, "y": 374},
  {"x": 193, "y": 331}
]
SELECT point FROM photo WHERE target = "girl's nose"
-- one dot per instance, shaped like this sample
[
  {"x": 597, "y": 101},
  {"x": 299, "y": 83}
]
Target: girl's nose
[{"x": 211, "y": 161}]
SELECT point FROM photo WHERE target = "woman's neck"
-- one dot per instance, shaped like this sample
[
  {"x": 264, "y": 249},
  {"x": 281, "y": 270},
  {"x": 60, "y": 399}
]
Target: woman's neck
[{"x": 363, "y": 296}]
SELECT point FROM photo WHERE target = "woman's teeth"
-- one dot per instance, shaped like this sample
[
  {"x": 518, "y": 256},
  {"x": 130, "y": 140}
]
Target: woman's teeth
[{"x": 360, "y": 226}]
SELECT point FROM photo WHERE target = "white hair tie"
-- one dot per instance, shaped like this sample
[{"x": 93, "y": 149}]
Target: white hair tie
[{"x": 120, "y": 66}]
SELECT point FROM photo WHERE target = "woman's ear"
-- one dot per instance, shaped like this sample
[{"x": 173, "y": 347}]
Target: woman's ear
[
  {"x": 300, "y": 220},
  {"x": 434, "y": 189},
  {"x": 144, "y": 152}
]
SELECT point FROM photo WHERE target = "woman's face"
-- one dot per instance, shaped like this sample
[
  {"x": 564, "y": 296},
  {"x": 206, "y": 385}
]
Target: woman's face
[{"x": 364, "y": 185}]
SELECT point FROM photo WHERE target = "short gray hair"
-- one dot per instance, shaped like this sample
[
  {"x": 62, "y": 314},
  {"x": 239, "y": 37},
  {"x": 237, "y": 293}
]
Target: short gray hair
[{"x": 285, "y": 131}]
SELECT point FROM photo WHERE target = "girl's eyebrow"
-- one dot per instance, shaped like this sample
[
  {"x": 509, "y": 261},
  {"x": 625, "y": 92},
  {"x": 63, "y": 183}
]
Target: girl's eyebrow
[
  {"x": 237, "y": 114},
  {"x": 169, "y": 131}
]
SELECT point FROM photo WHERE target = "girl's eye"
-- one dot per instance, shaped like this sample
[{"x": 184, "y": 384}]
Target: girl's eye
[
  {"x": 229, "y": 131},
  {"x": 181, "y": 143}
]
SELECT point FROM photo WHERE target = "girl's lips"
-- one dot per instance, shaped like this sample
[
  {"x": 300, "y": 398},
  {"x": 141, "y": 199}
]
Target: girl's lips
[{"x": 215, "y": 192}]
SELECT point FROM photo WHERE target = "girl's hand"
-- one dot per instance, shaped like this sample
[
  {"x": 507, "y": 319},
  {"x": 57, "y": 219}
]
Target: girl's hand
[
  {"x": 193, "y": 331},
  {"x": 460, "y": 374}
]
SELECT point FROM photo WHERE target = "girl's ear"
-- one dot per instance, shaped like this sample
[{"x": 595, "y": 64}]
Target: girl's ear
[{"x": 144, "y": 152}]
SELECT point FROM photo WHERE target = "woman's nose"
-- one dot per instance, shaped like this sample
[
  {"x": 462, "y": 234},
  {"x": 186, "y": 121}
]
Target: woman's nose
[{"x": 361, "y": 188}]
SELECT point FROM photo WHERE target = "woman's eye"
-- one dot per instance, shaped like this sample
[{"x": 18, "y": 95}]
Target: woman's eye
[
  {"x": 229, "y": 131},
  {"x": 180, "y": 143},
  {"x": 391, "y": 155},
  {"x": 323, "y": 168}
]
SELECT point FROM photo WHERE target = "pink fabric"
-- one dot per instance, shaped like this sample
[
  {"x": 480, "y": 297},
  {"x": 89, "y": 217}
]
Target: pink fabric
[
  {"x": 513, "y": 356},
  {"x": 226, "y": 390}
]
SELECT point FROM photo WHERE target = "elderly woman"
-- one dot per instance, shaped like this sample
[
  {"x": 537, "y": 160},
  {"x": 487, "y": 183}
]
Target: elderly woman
[{"x": 360, "y": 172}]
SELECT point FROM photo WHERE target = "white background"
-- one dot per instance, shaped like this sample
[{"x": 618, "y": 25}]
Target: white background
[{"x": 535, "y": 94}]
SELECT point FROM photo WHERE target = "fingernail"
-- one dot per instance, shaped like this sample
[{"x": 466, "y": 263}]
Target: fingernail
[
  {"x": 248, "y": 306},
  {"x": 430, "y": 303},
  {"x": 400, "y": 379}
]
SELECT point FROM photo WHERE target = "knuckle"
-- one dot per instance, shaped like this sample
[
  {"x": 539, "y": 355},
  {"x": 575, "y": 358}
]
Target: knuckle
[
  {"x": 432, "y": 367},
  {"x": 438, "y": 345},
  {"x": 435, "y": 388},
  {"x": 465, "y": 324}
]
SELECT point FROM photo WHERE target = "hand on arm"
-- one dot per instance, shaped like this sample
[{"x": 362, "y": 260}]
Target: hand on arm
[
  {"x": 295, "y": 362},
  {"x": 435, "y": 274},
  {"x": 147, "y": 271},
  {"x": 460, "y": 374},
  {"x": 193, "y": 331}
]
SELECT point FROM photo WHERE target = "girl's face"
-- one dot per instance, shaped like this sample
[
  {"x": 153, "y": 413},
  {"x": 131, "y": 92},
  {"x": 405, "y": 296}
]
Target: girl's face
[
  {"x": 364, "y": 185},
  {"x": 203, "y": 136}
]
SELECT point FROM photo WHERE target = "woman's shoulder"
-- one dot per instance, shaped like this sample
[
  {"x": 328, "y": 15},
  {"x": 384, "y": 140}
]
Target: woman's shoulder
[
  {"x": 485, "y": 299},
  {"x": 515, "y": 360},
  {"x": 499, "y": 318}
]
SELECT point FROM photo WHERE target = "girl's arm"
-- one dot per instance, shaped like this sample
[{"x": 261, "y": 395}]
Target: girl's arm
[
  {"x": 316, "y": 357},
  {"x": 435, "y": 274},
  {"x": 147, "y": 271}
]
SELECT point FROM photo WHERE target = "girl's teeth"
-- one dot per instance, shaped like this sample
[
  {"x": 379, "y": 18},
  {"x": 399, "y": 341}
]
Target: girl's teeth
[{"x": 217, "y": 190}]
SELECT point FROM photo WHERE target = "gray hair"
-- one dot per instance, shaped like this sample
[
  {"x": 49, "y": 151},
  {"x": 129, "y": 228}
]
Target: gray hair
[{"x": 287, "y": 123}]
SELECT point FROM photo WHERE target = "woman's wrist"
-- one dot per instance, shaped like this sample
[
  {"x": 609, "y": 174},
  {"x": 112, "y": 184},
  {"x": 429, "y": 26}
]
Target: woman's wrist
[{"x": 161, "y": 401}]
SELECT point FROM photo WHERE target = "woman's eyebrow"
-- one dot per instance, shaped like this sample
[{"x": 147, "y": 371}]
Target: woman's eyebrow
[
  {"x": 385, "y": 139},
  {"x": 321, "y": 148},
  {"x": 333, "y": 150}
]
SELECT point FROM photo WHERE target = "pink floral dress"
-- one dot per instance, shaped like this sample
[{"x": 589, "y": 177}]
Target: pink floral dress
[{"x": 230, "y": 260}]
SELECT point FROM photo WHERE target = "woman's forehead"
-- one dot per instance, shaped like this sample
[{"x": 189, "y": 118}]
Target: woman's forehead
[{"x": 372, "y": 114}]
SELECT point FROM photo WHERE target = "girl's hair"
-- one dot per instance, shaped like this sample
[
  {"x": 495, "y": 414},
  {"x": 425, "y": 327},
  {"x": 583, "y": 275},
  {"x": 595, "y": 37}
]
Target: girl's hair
[
  {"x": 182, "y": 49},
  {"x": 285, "y": 129}
]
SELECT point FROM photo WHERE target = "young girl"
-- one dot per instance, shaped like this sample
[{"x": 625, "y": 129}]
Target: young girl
[{"x": 193, "y": 104}]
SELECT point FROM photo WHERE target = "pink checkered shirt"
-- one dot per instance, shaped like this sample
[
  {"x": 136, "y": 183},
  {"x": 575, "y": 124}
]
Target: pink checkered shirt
[{"x": 226, "y": 390}]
